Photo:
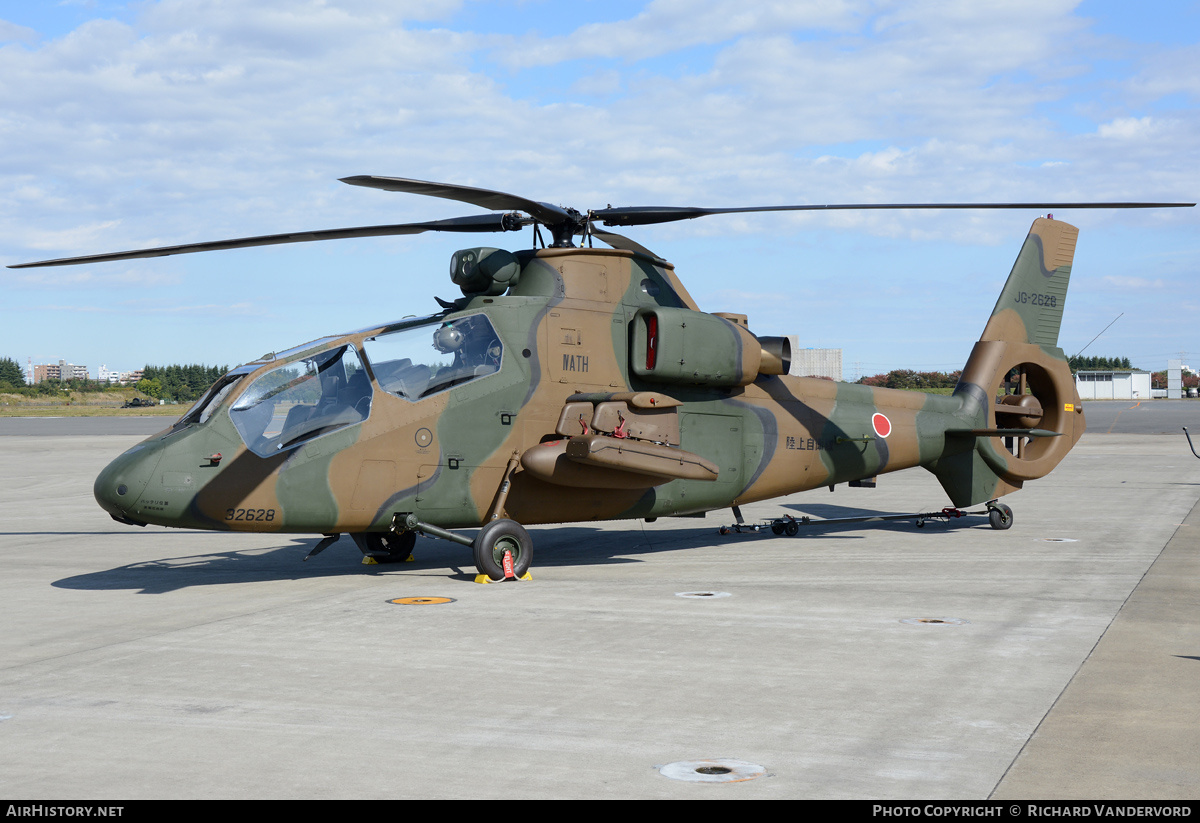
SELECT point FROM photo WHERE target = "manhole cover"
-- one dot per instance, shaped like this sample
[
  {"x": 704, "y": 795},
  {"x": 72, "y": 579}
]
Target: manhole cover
[
  {"x": 720, "y": 770},
  {"x": 701, "y": 595},
  {"x": 935, "y": 621},
  {"x": 421, "y": 601}
]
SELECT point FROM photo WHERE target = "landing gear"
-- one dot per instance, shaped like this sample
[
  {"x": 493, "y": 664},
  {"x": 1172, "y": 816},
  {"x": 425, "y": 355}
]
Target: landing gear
[
  {"x": 385, "y": 547},
  {"x": 494, "y": 541},
  {"x": 497, "y": 542},
  {"x": 999, "y": 515}
]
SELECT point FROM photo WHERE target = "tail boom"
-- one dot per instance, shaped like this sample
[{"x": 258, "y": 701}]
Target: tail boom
[{"x": 1018, "y": 378}]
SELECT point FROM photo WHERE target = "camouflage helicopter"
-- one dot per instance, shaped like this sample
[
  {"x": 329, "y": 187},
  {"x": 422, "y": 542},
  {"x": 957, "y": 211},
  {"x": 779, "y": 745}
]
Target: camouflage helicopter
[{"x": 580, "y": 384}]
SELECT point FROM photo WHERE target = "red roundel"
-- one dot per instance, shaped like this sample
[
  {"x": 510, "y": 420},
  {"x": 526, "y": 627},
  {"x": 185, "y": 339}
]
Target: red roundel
[{"x": 882, "y": 426}]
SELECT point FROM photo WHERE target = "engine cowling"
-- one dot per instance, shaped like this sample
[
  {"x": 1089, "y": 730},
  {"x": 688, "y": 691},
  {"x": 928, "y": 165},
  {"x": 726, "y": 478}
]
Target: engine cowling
[{"x": 681, "y": 346}]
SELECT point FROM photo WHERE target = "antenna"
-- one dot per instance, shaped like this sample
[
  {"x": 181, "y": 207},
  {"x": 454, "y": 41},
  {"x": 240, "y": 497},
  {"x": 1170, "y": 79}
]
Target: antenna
[{"x": 1097, "y": 337}]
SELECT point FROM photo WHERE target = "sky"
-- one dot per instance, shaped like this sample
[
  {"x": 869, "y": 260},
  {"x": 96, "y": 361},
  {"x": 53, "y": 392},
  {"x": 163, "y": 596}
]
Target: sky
[{"x": 130, "y": 125}]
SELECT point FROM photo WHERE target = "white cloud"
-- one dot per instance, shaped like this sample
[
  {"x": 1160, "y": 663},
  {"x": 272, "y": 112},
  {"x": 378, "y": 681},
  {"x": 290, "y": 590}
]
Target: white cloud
[
  {"x": 670, "y": 25},
  {"x": 1128, "y": 128},
  {"x": 70, "y": 239},
  {"x": 12, "y": 33},
  {"x": 1133, "y": 283},
  {"x": 73, "y": 278},
  {"x": 1167, "y": 71}
]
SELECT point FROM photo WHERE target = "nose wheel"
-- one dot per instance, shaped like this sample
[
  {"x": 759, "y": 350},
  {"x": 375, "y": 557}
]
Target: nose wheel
[{"x": 503, "y": 549}]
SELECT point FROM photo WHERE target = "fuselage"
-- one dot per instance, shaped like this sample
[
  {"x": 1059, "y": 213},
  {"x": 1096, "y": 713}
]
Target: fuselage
[{"x": 433, "y": 415}]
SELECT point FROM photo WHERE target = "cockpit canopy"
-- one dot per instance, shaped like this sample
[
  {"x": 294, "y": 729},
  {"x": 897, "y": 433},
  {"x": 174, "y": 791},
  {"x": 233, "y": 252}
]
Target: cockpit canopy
[
  {"x": 419, "y": 361},
  {"x": 329, "y": 385},
  {"x": 299, "y": 400}
]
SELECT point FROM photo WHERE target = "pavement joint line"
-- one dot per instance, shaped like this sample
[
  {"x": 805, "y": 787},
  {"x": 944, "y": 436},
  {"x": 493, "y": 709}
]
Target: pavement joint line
[{"x": 1033, "y": 735}]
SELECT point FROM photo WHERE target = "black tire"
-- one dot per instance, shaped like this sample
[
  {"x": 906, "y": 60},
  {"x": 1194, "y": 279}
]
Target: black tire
[
  {"x": 385, "y": 547},
  {"x": 1000, "y": 516},
  {"x": 777, "y": 528},
  {"x": 792, "y": 528},
  {"x": 494, "y": 540}
]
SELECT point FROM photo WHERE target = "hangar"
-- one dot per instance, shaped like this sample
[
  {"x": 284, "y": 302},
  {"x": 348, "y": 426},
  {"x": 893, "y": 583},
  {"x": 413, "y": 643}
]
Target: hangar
[{"x": 1113, "y": 385}]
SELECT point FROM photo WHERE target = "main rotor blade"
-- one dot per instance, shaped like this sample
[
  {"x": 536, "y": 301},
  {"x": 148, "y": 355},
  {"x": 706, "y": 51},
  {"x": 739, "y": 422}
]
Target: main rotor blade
[
  {"x": 485, "y": 198},
  {"x": 474, "y": 223},
  {"x": 620, "y": 241},
  {"x": 645, "y": 215}
]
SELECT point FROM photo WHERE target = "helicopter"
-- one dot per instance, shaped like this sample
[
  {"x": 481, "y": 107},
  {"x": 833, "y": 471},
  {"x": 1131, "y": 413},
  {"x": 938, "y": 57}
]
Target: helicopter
[{"x": 578, "y": 383}]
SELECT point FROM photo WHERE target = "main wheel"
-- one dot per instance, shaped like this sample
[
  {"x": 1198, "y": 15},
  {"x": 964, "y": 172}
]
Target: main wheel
[
  {"x": 1000, "y": 516},
  {"x": 496, "y": 538},
  {"x": 386, "y": 547}
]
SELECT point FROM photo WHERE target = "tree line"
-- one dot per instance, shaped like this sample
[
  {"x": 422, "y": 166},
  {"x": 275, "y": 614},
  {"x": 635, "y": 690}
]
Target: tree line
[
  {"x": 929, "y": 380},
  {"x": 11, "y": 375},
  {"x": 909, "y": 379},
  {"x": 182, "y": 384},
  {"x": 178, "y": 383},
  {"x": 1099, "y": 364}
]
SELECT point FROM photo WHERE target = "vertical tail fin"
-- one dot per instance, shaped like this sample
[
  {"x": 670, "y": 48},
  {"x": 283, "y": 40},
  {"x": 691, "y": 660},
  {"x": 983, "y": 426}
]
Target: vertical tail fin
[
  {"x": 1030, "y": 307},
  {"x": 1018, "y": 379}
]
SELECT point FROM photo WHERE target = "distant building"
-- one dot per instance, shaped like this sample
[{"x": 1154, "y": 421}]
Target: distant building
[
  {"x": 59, "y": 372},
  {"x": 1113, "y": 385},
  {"x": 815, "y": 362},
  {"x": 122, "y": 378},
  {"x": 1174, "y": 379}
]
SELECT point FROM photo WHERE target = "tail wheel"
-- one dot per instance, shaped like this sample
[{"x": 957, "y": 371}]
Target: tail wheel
[
  {"x": 1000, "y": 516},
  {"x": 495, "y": 540}
]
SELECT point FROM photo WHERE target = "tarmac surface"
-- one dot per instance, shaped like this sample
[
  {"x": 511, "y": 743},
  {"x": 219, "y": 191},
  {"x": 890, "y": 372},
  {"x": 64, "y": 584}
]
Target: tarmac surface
[{"x": 1055, "y": 660}]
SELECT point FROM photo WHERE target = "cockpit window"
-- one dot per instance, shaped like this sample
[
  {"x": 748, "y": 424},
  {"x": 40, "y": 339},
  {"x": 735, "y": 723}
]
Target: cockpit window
[
  {"x": 211, "y": 400},
  {"x": 218, "y": 397},
  {"x": 303, "y": 399},
  {"x": 422, "y": 360}
]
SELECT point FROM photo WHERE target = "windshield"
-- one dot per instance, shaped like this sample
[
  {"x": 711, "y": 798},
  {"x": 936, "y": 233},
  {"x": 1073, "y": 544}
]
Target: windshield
[
  {"x": 422, "y": 360},
  {"x": 212, "y": 399},
  {"x": 300, "y": 400}
]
